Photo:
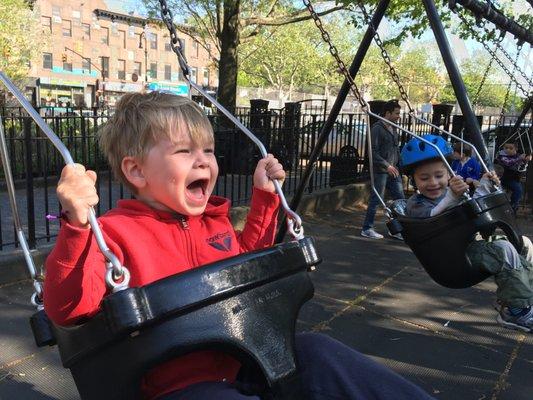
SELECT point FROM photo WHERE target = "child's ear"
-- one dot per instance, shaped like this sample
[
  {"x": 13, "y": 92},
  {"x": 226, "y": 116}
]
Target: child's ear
[{"x": 132, "y": 170}]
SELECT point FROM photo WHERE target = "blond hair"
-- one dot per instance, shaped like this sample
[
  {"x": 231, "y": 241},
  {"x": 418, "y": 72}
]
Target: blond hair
[{"x": 141, "y": 120}]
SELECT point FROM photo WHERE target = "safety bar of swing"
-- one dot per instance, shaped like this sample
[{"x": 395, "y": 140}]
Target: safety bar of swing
[
  {"x": 370, "y": 113},
  {"x": 38, "y": 295},
  {"x": 520, "y": 132},
  {"x": 118, "y": 269},
  {"x": 290, "y": 213}
]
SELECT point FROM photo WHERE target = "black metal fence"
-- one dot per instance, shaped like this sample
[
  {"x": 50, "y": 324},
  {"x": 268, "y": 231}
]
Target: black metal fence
[{"x": 290, "y": 134}]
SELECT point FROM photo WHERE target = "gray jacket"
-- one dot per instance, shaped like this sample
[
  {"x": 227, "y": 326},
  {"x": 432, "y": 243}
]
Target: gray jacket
[{"x": 385, "y": 147}]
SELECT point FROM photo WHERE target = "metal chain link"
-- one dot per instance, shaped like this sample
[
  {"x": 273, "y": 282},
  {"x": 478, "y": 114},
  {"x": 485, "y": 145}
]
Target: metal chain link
[
  {"x": 335, "y": 53},
  {"x": 506, "y": 99},
  {"x": 506, "y": 54},
  {"x": 394, "y": 75},
  {"x": 175, "y": 44},
  {"x": 492, "y": 53},
  {"x": 486, "y": 73}
]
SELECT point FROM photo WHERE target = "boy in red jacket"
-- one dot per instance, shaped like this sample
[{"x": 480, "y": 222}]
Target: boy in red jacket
[{"x": 162, "y": 147}]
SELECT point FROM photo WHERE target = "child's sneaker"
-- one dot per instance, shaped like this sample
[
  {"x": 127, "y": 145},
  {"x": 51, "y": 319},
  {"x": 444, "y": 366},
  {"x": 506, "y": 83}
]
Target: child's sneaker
[{"x": 522, "y": 321}]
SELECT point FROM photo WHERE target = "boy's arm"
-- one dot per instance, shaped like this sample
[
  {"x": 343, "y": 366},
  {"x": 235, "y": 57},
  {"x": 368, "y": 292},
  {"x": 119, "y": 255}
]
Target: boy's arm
[
  {"x": 74, "y": 282},
  {"x": 260, "y": 228}
]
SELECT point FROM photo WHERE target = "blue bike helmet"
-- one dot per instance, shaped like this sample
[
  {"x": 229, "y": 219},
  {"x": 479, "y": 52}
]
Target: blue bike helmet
[{"x": 416, "y": 151}]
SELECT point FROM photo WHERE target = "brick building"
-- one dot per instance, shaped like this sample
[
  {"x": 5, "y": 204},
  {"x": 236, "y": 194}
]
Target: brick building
[{"x": 97, "y": 54}]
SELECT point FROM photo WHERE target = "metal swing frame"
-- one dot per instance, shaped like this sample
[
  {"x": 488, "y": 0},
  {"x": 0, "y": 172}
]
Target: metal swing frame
[{"x": 475, "y": 215}]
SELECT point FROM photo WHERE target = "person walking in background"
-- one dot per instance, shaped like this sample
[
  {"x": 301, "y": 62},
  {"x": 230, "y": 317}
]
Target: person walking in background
[{"x": 386, "y": 156}]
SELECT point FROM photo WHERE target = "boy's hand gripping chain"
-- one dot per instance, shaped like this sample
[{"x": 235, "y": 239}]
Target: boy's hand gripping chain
[
  {"x": 117, "y": 276},
  {"x": 294, "y": 221}
]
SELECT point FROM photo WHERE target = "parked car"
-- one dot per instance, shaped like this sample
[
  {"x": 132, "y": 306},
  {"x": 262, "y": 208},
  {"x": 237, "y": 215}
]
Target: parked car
[{"x": 340, "y": 135}]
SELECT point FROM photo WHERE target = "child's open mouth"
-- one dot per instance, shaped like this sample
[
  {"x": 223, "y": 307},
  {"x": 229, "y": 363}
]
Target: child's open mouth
[{"x": 196, "y": 190}]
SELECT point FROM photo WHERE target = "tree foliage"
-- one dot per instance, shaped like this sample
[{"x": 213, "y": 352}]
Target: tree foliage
[{"x": 21, "y": 38}]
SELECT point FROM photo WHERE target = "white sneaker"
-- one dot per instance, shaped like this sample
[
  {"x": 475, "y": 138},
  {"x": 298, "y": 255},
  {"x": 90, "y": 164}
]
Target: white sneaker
[
  {"x": 371, "y": 233},
  {"x": 396, "y": 236}
]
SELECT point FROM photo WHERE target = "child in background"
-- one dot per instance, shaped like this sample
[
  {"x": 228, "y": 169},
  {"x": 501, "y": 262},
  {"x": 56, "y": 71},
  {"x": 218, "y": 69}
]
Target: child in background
[
  {"x": 464, "y": 165},
  {"x": 162, "y": 147},
  {"x": 512, "y": 162},
  {"x": 513, "y": 273}
]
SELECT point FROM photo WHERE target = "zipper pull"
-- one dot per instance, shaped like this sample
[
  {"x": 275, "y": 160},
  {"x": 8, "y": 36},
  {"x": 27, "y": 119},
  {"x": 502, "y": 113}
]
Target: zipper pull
[{"x": 184, "y": 222}]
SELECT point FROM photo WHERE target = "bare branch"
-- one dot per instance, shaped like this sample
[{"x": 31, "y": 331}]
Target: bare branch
[{"x": 296, "y": 16}]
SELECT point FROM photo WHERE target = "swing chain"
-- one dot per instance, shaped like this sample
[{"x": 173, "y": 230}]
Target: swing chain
[
  {"x": 385, "y": 55},
  {"x": 493, "y": 54},
  {"x": 508, "y": 92},
  {"x": 486, "y": 73},
  {"x": 175, "y": 43},
  {"x": 335, "y": 53}
]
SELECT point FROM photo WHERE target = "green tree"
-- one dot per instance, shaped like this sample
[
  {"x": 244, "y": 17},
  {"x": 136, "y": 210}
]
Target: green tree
[
  {"x": 295, "y": 56},
  {"x": 21, "y": 38},
  {"x": 228, "y": 24}
]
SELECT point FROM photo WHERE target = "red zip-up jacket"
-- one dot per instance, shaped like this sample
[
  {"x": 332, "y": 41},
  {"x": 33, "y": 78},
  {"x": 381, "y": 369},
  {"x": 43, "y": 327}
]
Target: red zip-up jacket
[{"x": 154, "y": 244}]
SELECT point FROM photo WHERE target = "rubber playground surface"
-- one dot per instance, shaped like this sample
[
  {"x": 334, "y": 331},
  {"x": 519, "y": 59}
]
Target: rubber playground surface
[{"x": 371, "y": 295}]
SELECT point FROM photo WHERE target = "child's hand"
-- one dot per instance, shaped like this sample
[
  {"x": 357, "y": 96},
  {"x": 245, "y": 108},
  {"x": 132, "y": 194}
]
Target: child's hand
[
  {"x": 492, "y": 176},
  {"x": 458, "y": 186},
  {"x": 527, "y": 158},
  {"x": 469, "y": 181},
  {"x": 77, "y": 193},
  {"x": 266, "y": 171}
]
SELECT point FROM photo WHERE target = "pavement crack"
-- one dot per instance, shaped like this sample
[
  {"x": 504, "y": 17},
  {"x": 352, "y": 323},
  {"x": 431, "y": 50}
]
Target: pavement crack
[
  {"x": 448, "y": 335},
  {"x": 321, "y": 326},
  {"x": 501, "y": 383},
  {"x": 16, "y": 362}
]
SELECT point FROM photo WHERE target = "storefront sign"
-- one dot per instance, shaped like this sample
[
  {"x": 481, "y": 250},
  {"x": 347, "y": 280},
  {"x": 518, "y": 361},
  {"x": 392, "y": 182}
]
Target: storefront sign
[
  {"x": 122, "y": 87},
  {"x": 61, "y": 82},
  {"x": 181, "y": 90}
]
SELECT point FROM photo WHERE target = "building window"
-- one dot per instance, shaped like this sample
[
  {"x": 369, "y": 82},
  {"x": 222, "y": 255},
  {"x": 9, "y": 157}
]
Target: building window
[
  {"x": 56, "y": 11},
  {"x": 121, "y": 69},
  {"x": 104, "y": 39},
  {"x": 194, "y": 74},
  {"x": 67, "y": 28},
  {"x": 168, "y": 72},
  {"x": 152, "y": 38},
  {"x": 86, "y": 64},
  {"x": 137, "y": 67},
  {"x": 67, "y": 66},
  {"x": 47, "y": 61},
  {"x": 153, "y": 70},
  {"x": 47, "y": 24},
  {"x": 206, "y": 77},
  {"x": 122, "y": 36},
  {"x": 105, "y": 66},
  {"x": 86, "y": 28},
  {"x": 168, "y": 47},
  {"x": 195, "y": 48}
]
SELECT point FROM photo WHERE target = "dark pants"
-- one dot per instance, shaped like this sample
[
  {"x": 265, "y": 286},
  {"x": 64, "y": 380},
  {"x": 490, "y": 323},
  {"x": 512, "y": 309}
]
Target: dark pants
[
  {"x": 382, "y": 182},
  {"x": 516, "y": 192},
  {"x": 329, "y": 371}
]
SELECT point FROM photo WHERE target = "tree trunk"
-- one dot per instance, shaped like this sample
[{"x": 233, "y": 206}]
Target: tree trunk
[{"x": 229, "y": 41}]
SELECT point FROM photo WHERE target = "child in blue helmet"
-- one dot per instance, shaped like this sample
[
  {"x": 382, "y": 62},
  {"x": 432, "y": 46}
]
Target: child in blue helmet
[{"x": 437, "y": 192}]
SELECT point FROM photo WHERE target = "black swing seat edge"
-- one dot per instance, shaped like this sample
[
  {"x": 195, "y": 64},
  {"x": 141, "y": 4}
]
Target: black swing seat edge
[
  {"x": 453, "y": 230},
  {"x": 131, "y": 310}
]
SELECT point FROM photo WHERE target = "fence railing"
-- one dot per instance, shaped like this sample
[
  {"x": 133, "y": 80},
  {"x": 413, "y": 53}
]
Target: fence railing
[{"x": 291, "y": 137}]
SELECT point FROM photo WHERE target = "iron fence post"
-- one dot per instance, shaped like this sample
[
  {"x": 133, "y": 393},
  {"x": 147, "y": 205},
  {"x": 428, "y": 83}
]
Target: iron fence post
[{"x": 30, "y": 205}]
